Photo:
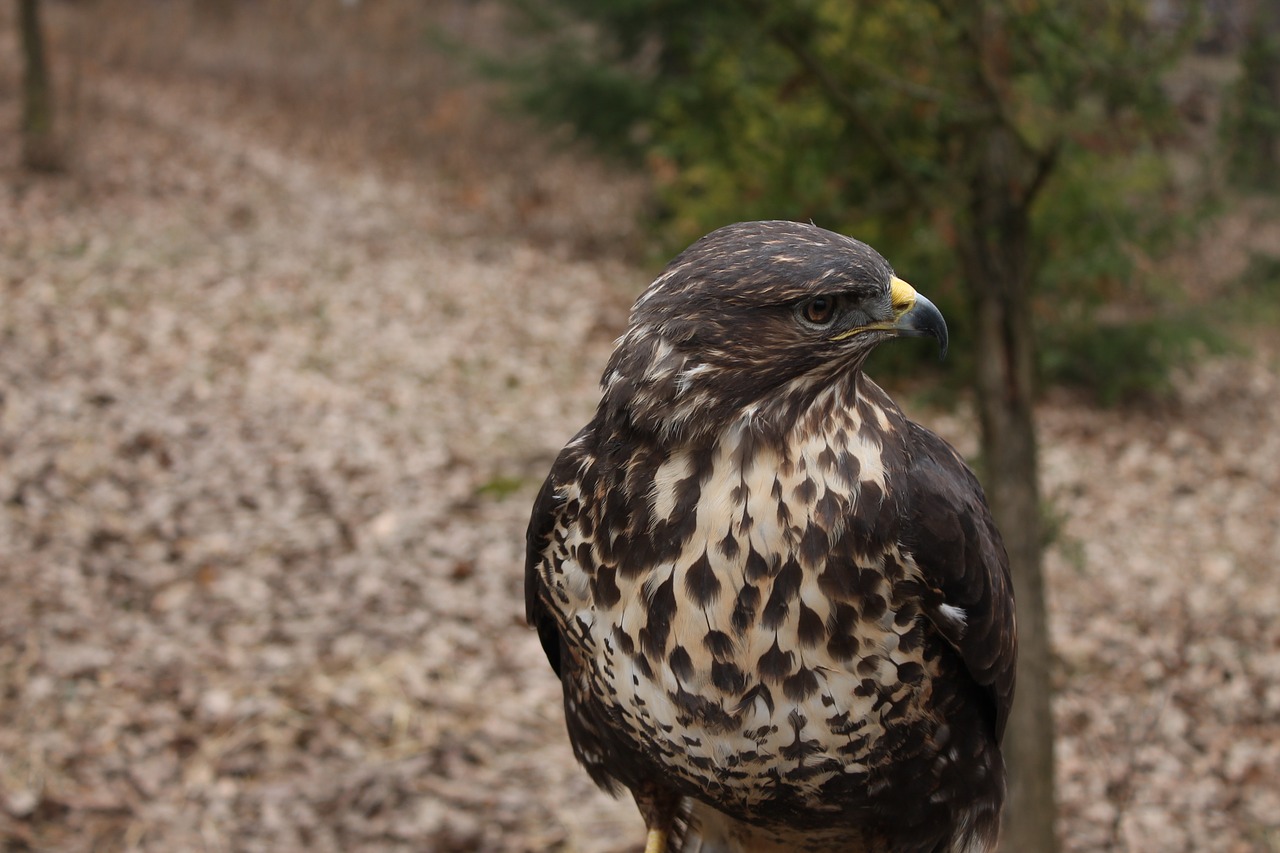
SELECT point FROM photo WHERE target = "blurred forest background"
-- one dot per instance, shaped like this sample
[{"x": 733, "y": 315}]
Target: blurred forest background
[{"x": 299, "y": 300}]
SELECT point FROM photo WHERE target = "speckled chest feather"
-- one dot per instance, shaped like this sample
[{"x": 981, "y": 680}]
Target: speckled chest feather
[{"x": 744, "y": 617}]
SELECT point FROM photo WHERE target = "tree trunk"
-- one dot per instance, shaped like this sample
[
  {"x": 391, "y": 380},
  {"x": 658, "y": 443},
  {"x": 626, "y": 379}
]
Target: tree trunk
[
  {"x": 40, "y": 149},
  {"x": 995, "y": 253}
]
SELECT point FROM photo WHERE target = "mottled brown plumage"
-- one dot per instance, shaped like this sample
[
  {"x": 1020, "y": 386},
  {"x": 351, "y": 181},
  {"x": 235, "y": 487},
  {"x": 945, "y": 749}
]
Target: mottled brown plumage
[{"x": 780, "y": 611}]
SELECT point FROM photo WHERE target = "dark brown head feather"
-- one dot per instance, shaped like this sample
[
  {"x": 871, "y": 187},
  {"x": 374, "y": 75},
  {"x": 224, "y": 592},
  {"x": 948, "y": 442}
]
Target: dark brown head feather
[{"x": 717, "y": 331}]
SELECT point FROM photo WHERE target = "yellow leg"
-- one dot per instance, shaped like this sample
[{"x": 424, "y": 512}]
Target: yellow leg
[{"x": 656, "y": 841}]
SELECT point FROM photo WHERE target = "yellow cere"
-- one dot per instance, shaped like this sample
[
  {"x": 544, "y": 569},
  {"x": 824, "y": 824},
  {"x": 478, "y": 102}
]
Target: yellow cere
[{"x": 901, "y": 295}]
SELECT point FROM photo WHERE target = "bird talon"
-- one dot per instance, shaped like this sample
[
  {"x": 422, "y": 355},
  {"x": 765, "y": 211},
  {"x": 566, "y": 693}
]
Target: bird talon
[{"x": 656, "y": 841}]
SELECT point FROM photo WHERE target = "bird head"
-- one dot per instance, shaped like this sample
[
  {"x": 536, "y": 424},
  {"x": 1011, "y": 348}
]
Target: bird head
[{"x": 754, "y": 315}]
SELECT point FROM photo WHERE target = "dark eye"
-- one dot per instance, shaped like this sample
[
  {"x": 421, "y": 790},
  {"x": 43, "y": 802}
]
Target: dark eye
[{"x": 818, "y": 311}]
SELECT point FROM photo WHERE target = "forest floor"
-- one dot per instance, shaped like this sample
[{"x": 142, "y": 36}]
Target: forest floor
[{"x": 271, "y": 420}]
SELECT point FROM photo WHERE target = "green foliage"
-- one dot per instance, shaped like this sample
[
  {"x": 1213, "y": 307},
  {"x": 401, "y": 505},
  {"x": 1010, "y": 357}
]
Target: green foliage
[
  {"x": 1121, "y": 363},
  {"x": 1096, "y": 220},
  {"x": 500, "y": 487},
  {"x": 866, "y": 117},
  {"x": 1261, "y": 278},
  {"x": 599, "y": 102},
  {"x": 1255, "y": 299},
  {"x": 1251, "y": 125}
]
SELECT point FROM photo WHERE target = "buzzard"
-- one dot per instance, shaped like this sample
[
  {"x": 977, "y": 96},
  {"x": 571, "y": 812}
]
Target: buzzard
[{"x": 779, "y": 610}]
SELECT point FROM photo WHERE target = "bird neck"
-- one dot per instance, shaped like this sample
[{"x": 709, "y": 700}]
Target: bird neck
[{"x": 810, "y": 404}]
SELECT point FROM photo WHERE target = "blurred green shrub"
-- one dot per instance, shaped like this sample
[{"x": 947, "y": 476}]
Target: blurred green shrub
[
  {"x": 1251, "y": 123},
  {"x": 831, "y": 111},
  {"x": 1131, "y": 362}
]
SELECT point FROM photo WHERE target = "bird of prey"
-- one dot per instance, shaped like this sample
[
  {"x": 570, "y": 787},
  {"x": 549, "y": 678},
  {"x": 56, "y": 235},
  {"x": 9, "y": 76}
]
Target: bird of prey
[{"x": 780, "y": 611}]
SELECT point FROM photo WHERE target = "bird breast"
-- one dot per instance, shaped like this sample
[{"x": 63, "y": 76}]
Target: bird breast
[{"x": 779, "y": 639}]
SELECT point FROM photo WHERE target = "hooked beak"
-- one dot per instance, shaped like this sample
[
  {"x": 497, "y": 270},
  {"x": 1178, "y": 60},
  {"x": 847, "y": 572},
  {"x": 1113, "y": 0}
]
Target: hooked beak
[{"x": 915, "y": 315}]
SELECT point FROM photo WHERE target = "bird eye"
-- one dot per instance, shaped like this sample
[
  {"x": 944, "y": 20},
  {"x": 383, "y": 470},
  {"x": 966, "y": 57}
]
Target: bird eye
[{"x": 818, "y": 311}]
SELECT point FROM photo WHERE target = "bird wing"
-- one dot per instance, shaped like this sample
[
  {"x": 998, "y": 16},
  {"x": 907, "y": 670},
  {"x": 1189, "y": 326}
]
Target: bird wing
[
  {"x": 953, "y": 539},
  {"x": 543, "y": 521},
  {"x": 594, "y": 744}
]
